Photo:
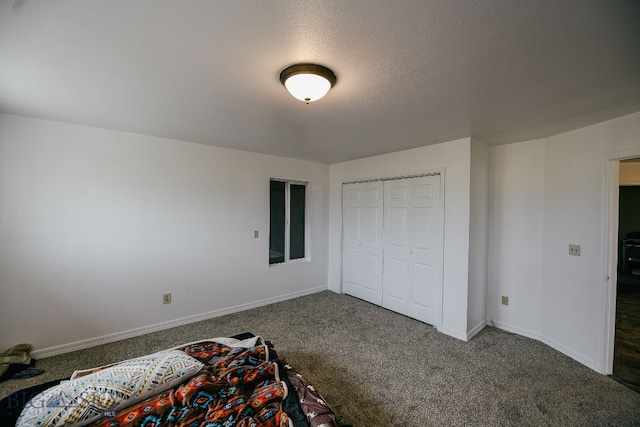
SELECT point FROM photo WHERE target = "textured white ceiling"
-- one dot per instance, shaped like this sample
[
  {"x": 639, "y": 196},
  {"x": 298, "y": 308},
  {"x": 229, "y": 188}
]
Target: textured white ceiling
[{"x": 410, "y": 73}]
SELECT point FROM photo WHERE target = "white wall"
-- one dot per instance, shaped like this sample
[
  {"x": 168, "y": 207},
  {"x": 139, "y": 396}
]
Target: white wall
[
  {"x": 453, "y": 159},
  {"x": 546, "y": 195},
  {"x": 95, "y": 225},
  {"x": 478, "y": 238},
  {"x": 573, "y": 213},
  {"x": 515, "y": 238},
  {"x": 89, "y": 215}
]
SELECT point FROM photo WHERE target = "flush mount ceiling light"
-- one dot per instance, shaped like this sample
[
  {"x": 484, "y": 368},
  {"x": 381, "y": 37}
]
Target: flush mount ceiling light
[{"x": 307, "y": 82}]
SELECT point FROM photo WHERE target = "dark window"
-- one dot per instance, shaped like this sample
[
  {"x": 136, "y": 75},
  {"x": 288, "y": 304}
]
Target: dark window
[
  {"x": 297, "y": 223},
  {"x": 277, "y": 223},
  {"x": 287, "y": 221}
]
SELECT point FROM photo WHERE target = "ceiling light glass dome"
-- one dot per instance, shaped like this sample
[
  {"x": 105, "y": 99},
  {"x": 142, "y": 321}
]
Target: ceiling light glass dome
[{"x": 307, "y": 82}]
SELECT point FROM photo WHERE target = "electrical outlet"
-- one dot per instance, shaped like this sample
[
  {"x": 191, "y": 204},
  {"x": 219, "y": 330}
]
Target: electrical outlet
[
  {"x": 166, "y": 298},
  {"x": 505, "y": 300},
  {"x": 574, "y": 250}
]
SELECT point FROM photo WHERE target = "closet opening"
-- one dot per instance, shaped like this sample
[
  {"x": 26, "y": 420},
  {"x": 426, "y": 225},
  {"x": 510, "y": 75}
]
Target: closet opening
[{"x": 393, "y": 244}]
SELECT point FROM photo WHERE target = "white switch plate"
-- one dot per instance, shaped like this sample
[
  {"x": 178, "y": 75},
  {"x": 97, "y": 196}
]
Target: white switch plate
[{"x": 574, "y": 250}]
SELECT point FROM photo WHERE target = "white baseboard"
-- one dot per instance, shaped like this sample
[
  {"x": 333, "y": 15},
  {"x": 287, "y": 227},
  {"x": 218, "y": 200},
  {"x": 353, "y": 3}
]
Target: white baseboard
[
  {"x": 336, "y": 289},
  {"x": 514, "y": 329},
  {"x": 578, "y": 357},
  {"x": 463, "y": 336},
  {"x": 480, "y": 326},
  {"x": 453, "y": 333},
  {"x": 105, "y": 339}
]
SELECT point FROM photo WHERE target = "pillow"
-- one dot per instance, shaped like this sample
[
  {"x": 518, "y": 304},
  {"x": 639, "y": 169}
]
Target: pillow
[{"x": 86, "y": 399}]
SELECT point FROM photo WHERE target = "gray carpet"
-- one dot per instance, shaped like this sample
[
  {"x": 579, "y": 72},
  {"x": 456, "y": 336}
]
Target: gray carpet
[{"x": 378, "y": 368}]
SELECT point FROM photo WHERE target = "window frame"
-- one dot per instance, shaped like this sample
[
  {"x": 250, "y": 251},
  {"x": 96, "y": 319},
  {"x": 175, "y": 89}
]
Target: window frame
[{"x": 287, "y": 222}]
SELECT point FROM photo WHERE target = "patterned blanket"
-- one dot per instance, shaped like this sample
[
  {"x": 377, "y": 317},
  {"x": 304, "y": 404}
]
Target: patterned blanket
[
  {"x": 237, "y": 387},
  {"x": 212, "y": 383}
]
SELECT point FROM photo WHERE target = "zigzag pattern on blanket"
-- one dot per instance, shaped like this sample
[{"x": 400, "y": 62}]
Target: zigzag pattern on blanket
[{"x": 83, "y": 400}]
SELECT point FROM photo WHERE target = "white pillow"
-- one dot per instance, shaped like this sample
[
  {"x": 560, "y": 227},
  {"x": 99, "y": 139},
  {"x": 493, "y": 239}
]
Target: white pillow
[{"x": 81, "y": 401}]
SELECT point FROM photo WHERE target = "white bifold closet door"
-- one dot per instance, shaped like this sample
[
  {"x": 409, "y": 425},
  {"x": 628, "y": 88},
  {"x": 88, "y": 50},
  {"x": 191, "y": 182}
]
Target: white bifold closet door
[
  {"x": 412, "y": 281},
  {"x": 362, "y": 241},
  {"x": 393, "y": 245}
]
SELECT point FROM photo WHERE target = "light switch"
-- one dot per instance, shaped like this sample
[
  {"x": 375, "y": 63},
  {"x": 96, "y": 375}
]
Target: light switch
[{"x": 255, "y": 234}]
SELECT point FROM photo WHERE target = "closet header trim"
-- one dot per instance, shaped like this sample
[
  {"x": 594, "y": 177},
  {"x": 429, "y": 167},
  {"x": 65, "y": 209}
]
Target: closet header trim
[{"x": 392, "y": 178}]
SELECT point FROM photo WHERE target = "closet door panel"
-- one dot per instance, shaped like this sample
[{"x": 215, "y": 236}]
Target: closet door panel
[
  {"x": 422, "y": 229},
  {"x": 412, "y": 232},
  {"x": 396, "y": 268},
  {"x": 351, "y": 267},
  {"x": 362, "y": 241},
  {"x": 370, "y": 225},
  {"x": 426, "y": 252},
  {"x": 395, "y": 283},
  {"x": 421, "y": 273},
  {"x": 369, "y": 272},
  {"x": 397, "y": 225},
  {"x": 421, "y": 276}
]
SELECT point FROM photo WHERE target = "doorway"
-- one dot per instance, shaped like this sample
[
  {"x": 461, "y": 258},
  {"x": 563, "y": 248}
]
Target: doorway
[{"x": 626, "y": 355}]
